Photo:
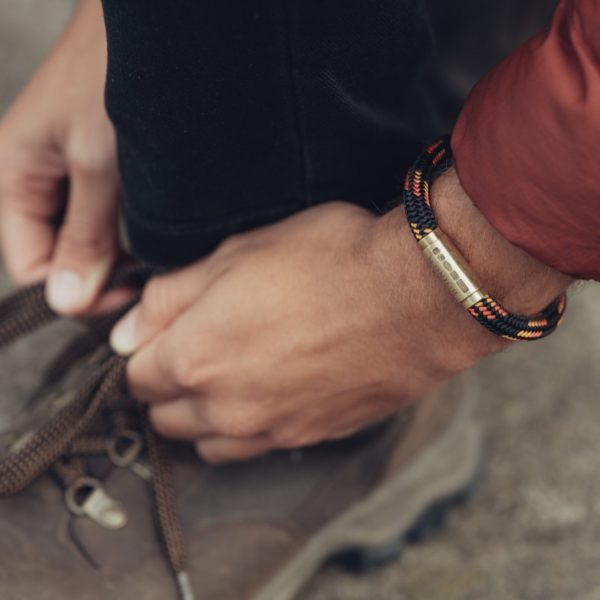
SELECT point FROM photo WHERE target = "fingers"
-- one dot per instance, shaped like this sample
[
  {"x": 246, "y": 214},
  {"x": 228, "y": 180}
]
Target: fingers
[
  {"x": 182, "y": 419},
  {"x": 168, "y": 366},
  {"x": 218, "y": 449},
  {"x": 29, "y": 203},
  {"x": 87, "y": 243},
  {"x": 112, "y": 300},
  {"x": 189, "y": 419},
  {"x": 164, "y": 298},
  {"x": 150, "y": 374}
]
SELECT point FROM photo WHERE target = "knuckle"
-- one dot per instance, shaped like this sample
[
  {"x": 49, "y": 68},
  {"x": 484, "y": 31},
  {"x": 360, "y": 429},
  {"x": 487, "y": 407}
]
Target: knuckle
[
  {"x": 170, "y": 424},
  {"x": 22, "y": 192},
  {"x": 81, "y": 237},
  {"x": 289, "y": 438},
  {"x": 186, "y": 373},
  {"x": 157, "y": 300},
  {"x": 230, "y": 243},
  {"x": 228, "y": 248},
  {"x": 235, "y": 423},
  {"x": 162, "y": 359},
  {"x": 162, "y": 424},
  {"x": 177, "y": 368},
  {"x": 92, "y": 163},
  {"x": 210, "y": 454},
  {"x": 92, "y": 155},
  {"x": 283, "y": 438}
]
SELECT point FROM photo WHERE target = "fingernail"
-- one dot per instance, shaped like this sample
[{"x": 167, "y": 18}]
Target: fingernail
[
  {"x": 65, "y": 290},
  {"x": 123, "y": 335}
]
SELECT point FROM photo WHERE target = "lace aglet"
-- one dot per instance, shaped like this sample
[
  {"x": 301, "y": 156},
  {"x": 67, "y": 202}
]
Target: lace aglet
[{"x": 185, "y": 586}]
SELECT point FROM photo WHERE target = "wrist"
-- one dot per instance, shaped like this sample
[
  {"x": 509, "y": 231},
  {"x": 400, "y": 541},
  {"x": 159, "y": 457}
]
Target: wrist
[
  {"x": 522, "y": 283},
  {"x": 418, "y": 304},
  {"x": 451, "y": 337}
]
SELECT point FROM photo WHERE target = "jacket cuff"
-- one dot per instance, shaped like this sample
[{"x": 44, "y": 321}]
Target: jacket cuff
[{"x": 526, "y": 143}]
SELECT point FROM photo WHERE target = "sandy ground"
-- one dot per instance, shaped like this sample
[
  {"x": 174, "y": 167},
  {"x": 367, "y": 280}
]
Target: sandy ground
[{"x": 532, "y": 530}]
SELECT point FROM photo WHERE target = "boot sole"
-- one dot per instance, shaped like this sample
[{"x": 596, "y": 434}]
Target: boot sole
[{"x": 407, "y": 508}]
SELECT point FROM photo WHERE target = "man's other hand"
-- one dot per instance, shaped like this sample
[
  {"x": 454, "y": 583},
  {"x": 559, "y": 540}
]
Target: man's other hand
[{"x": 57, "y": 154}]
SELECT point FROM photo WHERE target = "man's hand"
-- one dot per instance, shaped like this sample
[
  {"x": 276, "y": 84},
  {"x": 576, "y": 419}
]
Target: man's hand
[
  {"x": 300, "y": 332},
  {"x": 57, "y": 132}
]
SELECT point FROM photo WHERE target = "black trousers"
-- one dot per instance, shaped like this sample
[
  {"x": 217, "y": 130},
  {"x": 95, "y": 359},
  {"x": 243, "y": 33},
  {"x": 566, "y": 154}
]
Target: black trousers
[{"x": 231, "y": 114}]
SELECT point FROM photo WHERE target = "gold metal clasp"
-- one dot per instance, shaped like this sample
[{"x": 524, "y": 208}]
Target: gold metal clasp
[{"x": 448, "y": 262}]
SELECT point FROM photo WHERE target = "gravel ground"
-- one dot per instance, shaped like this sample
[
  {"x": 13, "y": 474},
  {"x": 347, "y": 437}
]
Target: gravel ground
[{"x": 531, "y": 531}]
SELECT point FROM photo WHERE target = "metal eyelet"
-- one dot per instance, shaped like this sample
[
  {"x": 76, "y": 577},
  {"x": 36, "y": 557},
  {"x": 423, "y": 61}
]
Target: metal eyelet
[
  {"x": 86, "y": 497},
  {"x": 124, "y": 449}
]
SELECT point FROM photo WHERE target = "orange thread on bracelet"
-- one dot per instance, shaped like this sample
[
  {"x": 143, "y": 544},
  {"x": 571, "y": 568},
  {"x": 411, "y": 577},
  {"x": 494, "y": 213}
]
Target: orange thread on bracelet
[{"x": 488, "y": 312}]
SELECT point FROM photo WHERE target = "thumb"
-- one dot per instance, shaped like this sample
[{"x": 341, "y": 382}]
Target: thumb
[
  {"x": 87, "y": 243},
  {"x": 164, "y": 298}
]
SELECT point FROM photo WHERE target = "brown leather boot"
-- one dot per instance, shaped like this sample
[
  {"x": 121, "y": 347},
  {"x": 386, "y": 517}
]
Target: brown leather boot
[{"x": 80, "y": 521}]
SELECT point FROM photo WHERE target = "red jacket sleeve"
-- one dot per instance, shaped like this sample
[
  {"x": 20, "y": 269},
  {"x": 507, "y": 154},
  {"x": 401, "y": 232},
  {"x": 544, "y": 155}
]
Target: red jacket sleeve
[{"x": 527, "y": 144}]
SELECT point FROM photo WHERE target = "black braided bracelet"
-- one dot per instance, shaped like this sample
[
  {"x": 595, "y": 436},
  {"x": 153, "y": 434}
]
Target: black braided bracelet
[{"x": 446, "y": 259}]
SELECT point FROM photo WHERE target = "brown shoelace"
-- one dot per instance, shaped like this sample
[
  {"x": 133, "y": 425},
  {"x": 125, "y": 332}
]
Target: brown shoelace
[{"x": 92, "y": 419}]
